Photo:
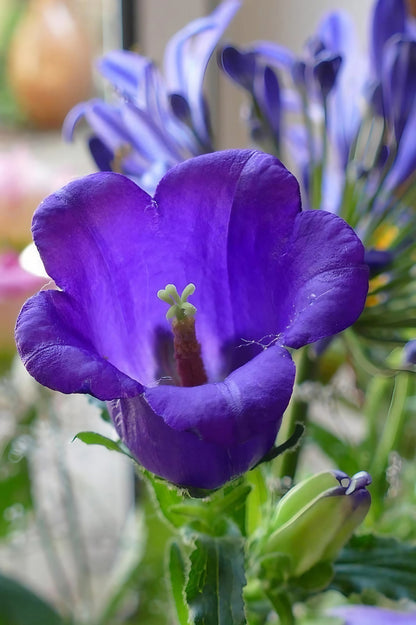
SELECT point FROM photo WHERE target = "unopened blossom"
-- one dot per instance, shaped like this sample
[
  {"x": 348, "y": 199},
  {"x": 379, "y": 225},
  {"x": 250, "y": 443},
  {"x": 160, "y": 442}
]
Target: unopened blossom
[
  {"x": 312, "y": 523},
  {"x": 178, "y": 310}
]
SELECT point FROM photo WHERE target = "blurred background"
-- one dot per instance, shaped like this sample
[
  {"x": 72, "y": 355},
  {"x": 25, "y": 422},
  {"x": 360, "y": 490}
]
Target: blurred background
[{"x": 66, "y": 511}]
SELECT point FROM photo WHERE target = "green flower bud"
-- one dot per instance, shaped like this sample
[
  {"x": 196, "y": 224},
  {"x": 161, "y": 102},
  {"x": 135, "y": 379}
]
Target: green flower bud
[{"x": 315, "y": 519}]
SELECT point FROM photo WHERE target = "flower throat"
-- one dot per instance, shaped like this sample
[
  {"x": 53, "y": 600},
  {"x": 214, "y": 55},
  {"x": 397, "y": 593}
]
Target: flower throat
[{"x": 187, "y": 349}]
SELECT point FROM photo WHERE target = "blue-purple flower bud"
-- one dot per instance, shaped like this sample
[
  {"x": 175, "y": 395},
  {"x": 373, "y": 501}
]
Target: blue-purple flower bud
[
  {"x": 240, "y": 66},
  {"x": 325, "y": 72},
  {"x": 409, "y": 353},
  {"x": 377, "y": 260}
]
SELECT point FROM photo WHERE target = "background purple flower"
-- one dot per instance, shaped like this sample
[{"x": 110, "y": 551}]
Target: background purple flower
[
  {"x": 371, "y": 615},
  {"x": 266, "y": 275},
  {"x": 155, "y": 119}
]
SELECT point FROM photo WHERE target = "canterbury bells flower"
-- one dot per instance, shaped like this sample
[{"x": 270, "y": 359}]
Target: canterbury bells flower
[{"x": 196, "y": 389}]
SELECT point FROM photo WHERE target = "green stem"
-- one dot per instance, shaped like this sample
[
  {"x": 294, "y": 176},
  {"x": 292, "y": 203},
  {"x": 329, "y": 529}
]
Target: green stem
[
  {"x": 297, "y": 413},
  {"x": 377, "y": 393},
  {"x": 283, "y": 607},
  {"x": 393, "y": 427},
  {"x": 389, "y": 441}
]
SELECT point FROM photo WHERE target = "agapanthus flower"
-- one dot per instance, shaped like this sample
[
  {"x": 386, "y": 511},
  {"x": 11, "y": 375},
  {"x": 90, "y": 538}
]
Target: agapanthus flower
[
  {"x": 353, "y": 145},
  {"x": 156, "y": 120},
  {"x": 371, "y": 615},
  {"x": 196, "y": 409}
]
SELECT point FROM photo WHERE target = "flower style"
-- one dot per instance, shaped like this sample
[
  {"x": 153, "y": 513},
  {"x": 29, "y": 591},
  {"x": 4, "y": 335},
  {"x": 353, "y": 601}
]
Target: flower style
[
  {"x": 268, "y": 276},
  {"x": 156, "y": 121}
]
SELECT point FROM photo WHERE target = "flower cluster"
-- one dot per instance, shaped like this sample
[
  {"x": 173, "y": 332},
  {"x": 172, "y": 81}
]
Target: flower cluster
[
  {"x": 348, "y": 123},
  {"x": 155, "y": 120}
]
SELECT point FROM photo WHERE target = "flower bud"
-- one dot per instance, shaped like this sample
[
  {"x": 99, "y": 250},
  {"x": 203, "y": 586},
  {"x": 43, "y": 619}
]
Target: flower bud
[{"x": 316, "y": 518}]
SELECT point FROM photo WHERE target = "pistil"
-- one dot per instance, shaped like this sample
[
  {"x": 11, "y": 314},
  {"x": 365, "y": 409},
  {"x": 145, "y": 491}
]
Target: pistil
[{"x": 187, "y": 349}]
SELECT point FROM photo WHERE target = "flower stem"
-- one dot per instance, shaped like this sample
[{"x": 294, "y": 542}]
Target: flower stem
[
  {"x": 297, "y": 413},
  {"x": 282, "y": 606},
  {"x": 391, "y": 435}
]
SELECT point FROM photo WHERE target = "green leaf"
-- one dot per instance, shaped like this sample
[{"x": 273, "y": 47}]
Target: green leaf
[
  {"x": 216, "y": 580},
  {"x": 93, "y": 438},
  {"x": 177, "y": 581},
  {"x": 376, "y": 563},
  {"x": 20, "y": 606},
  {"x": 343, "y": 454}
]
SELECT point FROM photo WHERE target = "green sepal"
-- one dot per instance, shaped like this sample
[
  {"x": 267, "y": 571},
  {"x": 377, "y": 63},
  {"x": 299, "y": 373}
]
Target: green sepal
[
  {"x": 207, "y": 511},
  {"x": 166, "y": 497},
  {"x": 93, "y": 438},
  {"x": 278, "y": 450},
  {"x": 275, "y": 570},
  {"x": 316, "y": 579}
]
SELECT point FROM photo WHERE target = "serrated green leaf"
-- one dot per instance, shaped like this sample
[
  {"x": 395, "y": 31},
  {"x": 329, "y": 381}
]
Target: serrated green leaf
[
  {"x": 177, "y": 575},
  {"x": 214, "y": 591},
  {"x": 376, "y": 563},
  {"x": 20, "y": 606},
  {"x": 93, "y": 438}
]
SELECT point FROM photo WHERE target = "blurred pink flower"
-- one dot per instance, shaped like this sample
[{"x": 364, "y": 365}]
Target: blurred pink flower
[
  {"x": 24, "y": 182},
  {"x": 16, "y": 284}
]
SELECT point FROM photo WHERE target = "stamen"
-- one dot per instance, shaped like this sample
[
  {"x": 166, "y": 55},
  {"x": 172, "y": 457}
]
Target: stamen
[{"x": 186, "y": 346}]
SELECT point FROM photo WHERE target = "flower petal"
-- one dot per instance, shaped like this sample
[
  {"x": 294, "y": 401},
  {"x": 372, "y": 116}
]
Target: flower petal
[
  {"x": 228, "y": 217},
  {"x": 182, "y": 457},
  {"x": 125, "y": 70},
  {"x": 232, "y": 411},
  {"x": 209, "y": 434},
  {"x": 52, "y": 340},
  {"x": 187, "y": 55},
  {"x": 95, "y": 239},
  {"x": 326, "y": 278},
  {"x": 389, "y": 18}
]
